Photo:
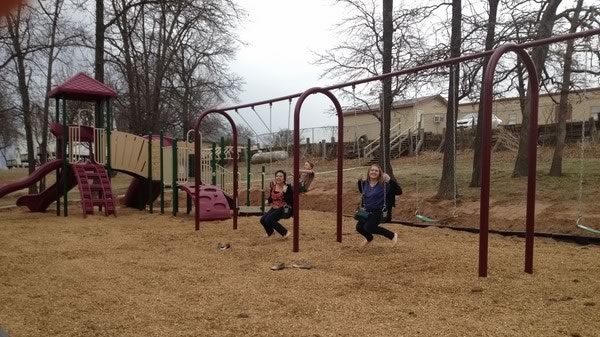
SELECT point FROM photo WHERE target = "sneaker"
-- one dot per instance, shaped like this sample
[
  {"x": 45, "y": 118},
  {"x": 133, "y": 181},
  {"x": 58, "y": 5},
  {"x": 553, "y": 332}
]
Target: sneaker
[
  {"x": 364, "y": 244},
  {"x": 287, "y": 235},
  {"x": 395, "y": 239},
  {"x": 278, "y": 266}
]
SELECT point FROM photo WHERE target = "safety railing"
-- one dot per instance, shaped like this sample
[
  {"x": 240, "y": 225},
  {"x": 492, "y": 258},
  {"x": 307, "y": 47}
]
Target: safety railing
[
  {"x": 100, "y": 146},
  {"x": 374, "y": 145},
  {"x": 73, "y": 145}
]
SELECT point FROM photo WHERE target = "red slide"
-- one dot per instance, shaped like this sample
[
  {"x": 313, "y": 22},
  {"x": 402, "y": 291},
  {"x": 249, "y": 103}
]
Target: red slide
[
  {"x": 40, "y": 202},
  {"x": 36, "y": 176}
]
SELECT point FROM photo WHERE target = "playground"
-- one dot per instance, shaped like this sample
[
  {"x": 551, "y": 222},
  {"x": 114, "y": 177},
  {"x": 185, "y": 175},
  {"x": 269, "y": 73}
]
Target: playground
[
  {"x": 142, "y": 269},
  {"x": 141, "y": 274}
]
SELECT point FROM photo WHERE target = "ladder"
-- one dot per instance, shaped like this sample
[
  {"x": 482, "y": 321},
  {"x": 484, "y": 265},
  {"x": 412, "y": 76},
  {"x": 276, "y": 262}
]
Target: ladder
[{"x": 95, "y": 188}]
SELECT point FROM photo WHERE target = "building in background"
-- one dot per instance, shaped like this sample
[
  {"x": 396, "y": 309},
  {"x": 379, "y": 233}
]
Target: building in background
[{"x": 431, "y": 111}]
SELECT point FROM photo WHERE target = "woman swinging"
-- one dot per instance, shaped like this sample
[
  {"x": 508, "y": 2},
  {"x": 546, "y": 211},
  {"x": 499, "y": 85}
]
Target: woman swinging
[
  {"x": 374, "y": 191},
  {"x": 281, "y": 199}
]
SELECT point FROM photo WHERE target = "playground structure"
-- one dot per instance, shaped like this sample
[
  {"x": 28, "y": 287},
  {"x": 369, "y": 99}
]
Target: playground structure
[
  {"x": 494, "y": 57},
  {"x": 86, "y": 155}
]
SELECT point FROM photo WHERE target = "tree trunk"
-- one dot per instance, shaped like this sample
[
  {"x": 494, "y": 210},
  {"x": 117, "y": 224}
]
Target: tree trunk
[
  {"x": 134, "y": 122},
  {"x": 447, "y": 188},
  {"x": 539, "y": 58},
  {"x": 561, "y": 132},
  {"x": 14, "y": 23},
  {"x": 99, "y": 47},
  {"x": 384, "y": 143},
  {"x": 489, "y": 44},
  {"x": 49, "y": 72}
]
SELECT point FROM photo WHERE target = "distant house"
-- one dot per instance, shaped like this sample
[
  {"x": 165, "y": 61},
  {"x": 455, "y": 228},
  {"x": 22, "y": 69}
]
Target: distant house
[
  {"x": 361, "y": 121},
  {"x": 16, "y": 155},
  {"x": 509, "y": 111},
  {"x": 431, "y": 110}
]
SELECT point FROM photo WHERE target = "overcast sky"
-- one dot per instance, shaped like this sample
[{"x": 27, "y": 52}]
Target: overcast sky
[{"x": 280, "y": 35}]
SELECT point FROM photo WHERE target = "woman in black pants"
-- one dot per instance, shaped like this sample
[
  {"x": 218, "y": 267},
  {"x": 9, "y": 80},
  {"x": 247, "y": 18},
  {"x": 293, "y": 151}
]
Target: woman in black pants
[
  {"x": 281, "y": 195},
  {"x": 373, "y": 200}
]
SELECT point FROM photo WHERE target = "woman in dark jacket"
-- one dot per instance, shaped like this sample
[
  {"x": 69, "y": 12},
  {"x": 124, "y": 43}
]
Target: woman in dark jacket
[
  {"x": 390, "y": 197},
  {"x": 390, "y": 201},
  {"x": 281, "y": 195},
  {"x": 375, "y": 191}
]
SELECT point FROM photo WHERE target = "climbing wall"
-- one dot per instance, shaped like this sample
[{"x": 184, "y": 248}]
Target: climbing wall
[{"x": 213, "y": 203}]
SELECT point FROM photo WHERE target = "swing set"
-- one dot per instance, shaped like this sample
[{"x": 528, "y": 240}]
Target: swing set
[{"x": 487, "y": 96}]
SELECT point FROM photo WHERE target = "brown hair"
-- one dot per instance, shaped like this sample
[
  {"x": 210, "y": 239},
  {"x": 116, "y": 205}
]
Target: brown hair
[
  {"x": 380, "y": 178},
  {"x": 311, "y": 164}
]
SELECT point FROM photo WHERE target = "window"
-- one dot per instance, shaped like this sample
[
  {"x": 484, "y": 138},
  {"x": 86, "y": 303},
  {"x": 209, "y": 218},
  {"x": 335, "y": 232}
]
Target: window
[
  {"x": 438, "y": 119},
  {"x": 512, "y": 118},
  {"x": 595, "y": 112}
]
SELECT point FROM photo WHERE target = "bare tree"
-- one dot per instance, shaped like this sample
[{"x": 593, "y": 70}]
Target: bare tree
[
  {"x": 556, "y": 167},
  {"x": 447, "y": 188},
  {"x": 172, "y": 57},
  {"x": 490, "y": 41},
  {"x": 388, "y": 32},
  {"x": 198, "y": 78},
  {"x": 544, "y": 30},
  {"x": 20, "y": 31},
  {"x": 375, "y": 43},
  {"x": 55, "y": 43}
]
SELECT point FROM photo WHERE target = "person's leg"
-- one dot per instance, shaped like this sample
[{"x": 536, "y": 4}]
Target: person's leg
[
  {"x": 273, "y": 221},
  {"x": 266, "y": 223},
  {"x": 372, "y": 226},
  {"x": 360, "y": 227}
]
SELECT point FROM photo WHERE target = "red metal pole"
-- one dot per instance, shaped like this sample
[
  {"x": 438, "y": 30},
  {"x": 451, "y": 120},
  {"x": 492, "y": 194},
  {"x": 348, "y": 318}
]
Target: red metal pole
[
  {"x": 340, "y": 163},
  {"x": 486, "y": 155},
  {"x": 197, "y": 166},
  {"x": 532, "y": 157}
]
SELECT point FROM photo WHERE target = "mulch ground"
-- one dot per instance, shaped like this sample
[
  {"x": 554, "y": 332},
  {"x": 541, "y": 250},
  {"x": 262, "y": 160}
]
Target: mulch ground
[{"x": 143, "y": 274}]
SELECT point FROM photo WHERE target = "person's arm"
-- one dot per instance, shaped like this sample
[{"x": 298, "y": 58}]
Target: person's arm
[
  {"x": 270, "y": 198},
  {"x": 395, "y": 187},
  {"x": 288, "y": 196},
  {"x": 306, "y": 171},
  {"x": 360, "y": 185}
]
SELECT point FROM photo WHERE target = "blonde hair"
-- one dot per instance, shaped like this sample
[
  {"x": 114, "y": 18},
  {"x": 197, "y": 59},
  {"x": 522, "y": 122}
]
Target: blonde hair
[{"x": 380, "y": 178}]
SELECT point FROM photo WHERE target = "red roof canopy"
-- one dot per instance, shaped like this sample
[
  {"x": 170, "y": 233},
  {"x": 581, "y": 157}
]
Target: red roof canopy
[{"x": 82, "y": 87}]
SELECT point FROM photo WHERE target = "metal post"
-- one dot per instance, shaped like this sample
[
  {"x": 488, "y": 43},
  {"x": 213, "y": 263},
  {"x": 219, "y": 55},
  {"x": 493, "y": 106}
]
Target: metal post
[
  {"x": 262, "y": 190},
  {"x": 65, "y": 172},
  {"x": 213, "y": 163},
  {"x": 222, "y": 154},
  {"x": 150, "y": 201},
  {"x": 248, "y": 172},
  {"x": 109, "y": 124},
  {"x": 174, "y": 187},
  {"x": 162, "y": 176},
  {"x": 56, "y": 150},
  {"x": 222, "y": 163}
]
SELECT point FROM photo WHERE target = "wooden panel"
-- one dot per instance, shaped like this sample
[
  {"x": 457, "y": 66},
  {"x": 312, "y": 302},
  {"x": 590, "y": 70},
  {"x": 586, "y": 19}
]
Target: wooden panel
[
  {"x": 127, "y": 153},
  {"x": 168, "y": 164}
]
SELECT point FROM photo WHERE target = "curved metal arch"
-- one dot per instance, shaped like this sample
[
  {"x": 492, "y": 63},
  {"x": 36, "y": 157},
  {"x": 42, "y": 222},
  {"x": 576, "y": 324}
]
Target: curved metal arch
[
  {"x": 198, "y": 167},
  {"x": 486, "y": 139},
  {"x": 340, "y": 161}
]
